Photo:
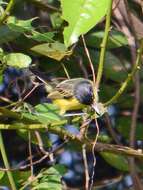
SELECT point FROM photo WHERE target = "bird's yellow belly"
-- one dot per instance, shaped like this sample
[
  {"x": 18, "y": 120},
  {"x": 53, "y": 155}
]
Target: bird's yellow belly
[{"x": 68, "y": 104}]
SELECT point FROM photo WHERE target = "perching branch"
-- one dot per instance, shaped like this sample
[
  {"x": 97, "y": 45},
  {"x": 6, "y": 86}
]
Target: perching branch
[{"x": 121, "y": 150}]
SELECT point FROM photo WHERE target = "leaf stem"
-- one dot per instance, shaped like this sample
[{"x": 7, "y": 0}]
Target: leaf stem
[
  {"x": 7, "y": 11},
  {"x": 6, "y": 163},
  {"x": 104, "y": 44},
  {"x": 126, "y": 82}
]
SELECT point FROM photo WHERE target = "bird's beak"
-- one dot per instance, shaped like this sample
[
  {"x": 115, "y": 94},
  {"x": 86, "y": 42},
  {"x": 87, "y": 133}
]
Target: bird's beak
[{"x": 96, "y": 108}]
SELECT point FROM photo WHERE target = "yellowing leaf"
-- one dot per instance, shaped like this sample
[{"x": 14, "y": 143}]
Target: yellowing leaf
[{"x": 55, "y": 50}]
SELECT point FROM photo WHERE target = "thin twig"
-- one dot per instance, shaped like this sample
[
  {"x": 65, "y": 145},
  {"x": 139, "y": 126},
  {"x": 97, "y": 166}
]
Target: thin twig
[
  {"x": 65, "y": 70},
  {"x": 82, "y": 66},
  {"x": 93, "y": 153},
  {"x": 6, "y": 163},
  {"x": 85, "y": 167},
  {"x": 23, "y": 167},
  {"x": 89, "y": 58},
  {"x": 30, "y": 153},
  {"x": 111, "y": 130}
]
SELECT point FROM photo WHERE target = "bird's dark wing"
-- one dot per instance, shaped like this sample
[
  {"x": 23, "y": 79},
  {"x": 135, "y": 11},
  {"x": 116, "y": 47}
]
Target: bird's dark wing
[{"x": 65, "y": 89}]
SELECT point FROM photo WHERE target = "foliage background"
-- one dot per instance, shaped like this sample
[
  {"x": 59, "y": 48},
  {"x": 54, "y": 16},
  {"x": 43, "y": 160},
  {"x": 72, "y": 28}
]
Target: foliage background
[{"x": 42, "y": 40}]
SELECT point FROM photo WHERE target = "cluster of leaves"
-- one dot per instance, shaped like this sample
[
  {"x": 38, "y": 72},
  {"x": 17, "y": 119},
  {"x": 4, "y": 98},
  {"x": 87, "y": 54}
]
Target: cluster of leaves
[{"x": 24, "y": 40}]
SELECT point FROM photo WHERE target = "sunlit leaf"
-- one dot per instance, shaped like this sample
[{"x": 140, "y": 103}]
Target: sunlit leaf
[
  {"x": 18, "y": 60},
  {"x": 81, "y": 15},
  {"x": 55, "y": 50}
]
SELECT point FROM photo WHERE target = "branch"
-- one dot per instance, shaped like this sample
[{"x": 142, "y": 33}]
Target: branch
[
  {"x": 104, "y": 44},
  {"x": 123, "y": 150}
]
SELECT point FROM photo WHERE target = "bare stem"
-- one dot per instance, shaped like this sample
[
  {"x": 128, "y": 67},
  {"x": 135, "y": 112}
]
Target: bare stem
[
  {"x": 104, "y": 44},
  {"x": 126, "y": 151},
  {"x": 6, "y": 163}
]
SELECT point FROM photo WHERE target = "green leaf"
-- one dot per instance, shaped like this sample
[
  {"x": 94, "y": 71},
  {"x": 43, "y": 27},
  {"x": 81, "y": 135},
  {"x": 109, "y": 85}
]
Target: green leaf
[
  {"x": 50, "y": 179},
  {"x": 7, "y": 35},
  {"x": 116, "y": 39},
  {"x": 117, "y": 161},
  {"x": 41, "y": 37},
  {"x": 56, "y": 20},
  {"x": 20, "y": 26},
  {"x": 44, "y": 113},
  {"x": 19, "y": 178},
  {"x": 123, "y": 126},
  {"x": 113, "y": 68},
  {"x": 55, "y": 50},
  {"x": 1, "y": 174},
  {"x": 48, "y": 186},
  {"x": 81, "y": 15},
  {"x": 104, "y": 138},
  {"x": 18, "y": 60},
  {"x": 60, "y": 168},
  {"x": 47, "y": 112}
]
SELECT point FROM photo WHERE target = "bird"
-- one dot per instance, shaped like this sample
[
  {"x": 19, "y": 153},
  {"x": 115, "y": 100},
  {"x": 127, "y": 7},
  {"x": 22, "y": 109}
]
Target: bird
[{"x": 76, "y": 94}]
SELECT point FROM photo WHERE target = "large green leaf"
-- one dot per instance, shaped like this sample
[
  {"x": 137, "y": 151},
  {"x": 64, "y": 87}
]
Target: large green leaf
[
  {"x": 44, "y": 113},
  {"x": 123, "y": 126},
  {"x": 117, "y": 161},
  {"x": 7, "y": 35},
  {"x": 113, "y": 68},
  {"x": 116, "y": 39},
  {"x": 81, "y": 15},
  {"x": 50, "y": 178}
]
